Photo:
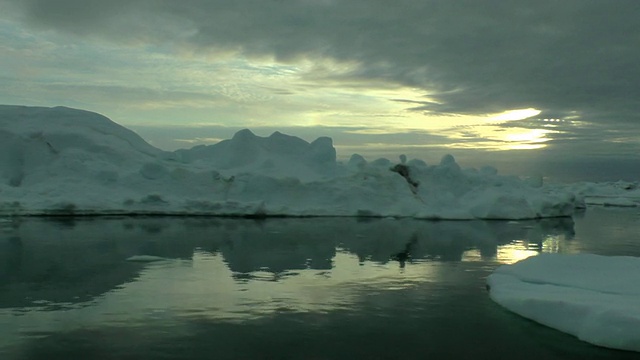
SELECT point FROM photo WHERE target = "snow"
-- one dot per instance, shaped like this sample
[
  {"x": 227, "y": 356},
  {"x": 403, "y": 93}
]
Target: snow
[
  {"x": 67, "y": 161},
  {"x": 592, "y": 297},
  {"x": 618, "y": 193}
]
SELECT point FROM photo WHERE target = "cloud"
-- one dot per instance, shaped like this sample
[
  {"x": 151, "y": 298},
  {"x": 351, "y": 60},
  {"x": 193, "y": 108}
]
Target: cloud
[{"x": 467, "y": 57}]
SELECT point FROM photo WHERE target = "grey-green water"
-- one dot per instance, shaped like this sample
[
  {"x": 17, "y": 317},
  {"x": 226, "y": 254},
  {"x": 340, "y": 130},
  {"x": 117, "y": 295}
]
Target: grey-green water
[{"x": 327, "y": 288}]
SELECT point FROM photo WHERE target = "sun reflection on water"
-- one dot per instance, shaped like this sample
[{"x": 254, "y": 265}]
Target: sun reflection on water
[
  {"x": 514, "y": 252},
  {"x": 518, "y": 250},
  {"x": 239, "y": 271}
]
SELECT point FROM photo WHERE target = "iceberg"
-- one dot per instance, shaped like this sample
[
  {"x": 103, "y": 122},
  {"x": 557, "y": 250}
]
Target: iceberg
[
  {"x": 611, "y": 193},
  {"x": 62, "y": 161},
  {"x": 592, "y": 297}
]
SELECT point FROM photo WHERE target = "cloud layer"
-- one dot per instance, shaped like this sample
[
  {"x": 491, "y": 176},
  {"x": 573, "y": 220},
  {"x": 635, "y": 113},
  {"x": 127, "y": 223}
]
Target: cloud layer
[{"x": 466, "y": 57}]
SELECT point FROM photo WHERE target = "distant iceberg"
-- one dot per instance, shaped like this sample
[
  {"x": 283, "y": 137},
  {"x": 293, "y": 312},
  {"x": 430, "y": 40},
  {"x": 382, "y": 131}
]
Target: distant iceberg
[
  {"x": 613, "y": 193},
  {"x": 595, "y": 298},
  {"x": 64, "y": 161}
]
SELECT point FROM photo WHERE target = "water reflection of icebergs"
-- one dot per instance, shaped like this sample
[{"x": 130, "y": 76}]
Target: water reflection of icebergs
[
  {"x": 67, "y": 261},
  {"x": 235, "y": 276}
]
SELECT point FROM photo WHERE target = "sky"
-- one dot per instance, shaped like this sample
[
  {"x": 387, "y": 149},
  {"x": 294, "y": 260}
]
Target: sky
[{"x": 539, "y": 87}]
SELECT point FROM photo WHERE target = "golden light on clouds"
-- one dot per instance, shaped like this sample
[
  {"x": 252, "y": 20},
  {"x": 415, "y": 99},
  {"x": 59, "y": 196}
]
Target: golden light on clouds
[
  {"x": 264, "y": 93},
  {"x": 512, "y": 115},
  {"x": 494, "y": 136},
  {"x": 532, "y": 138}
]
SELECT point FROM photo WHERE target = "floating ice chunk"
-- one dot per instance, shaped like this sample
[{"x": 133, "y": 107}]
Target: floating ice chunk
[
  {"x": 611, "y": 201},
  {"x": 145, "y": 258},
  {"x": 595, "y": 298},
  {"x": 618, "y": 193}
]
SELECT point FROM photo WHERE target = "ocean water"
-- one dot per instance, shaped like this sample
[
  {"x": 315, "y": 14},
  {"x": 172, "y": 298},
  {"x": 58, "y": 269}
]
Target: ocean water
[{"x": 320, "y": 288}]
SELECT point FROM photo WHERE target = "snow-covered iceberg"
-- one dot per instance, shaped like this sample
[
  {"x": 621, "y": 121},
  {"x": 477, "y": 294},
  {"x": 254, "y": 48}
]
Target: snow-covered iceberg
[
  {"x": 595, "y": 298},
  {"x": 613, "y": 193},
  {"x": 67, "y": 161}
]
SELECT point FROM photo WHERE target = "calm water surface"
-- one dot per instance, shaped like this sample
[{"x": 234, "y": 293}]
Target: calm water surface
[{"x": 283, "y": 288}]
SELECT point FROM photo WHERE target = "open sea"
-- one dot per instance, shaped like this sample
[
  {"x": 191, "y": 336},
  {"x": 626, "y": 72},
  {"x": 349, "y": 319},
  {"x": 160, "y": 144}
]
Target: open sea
[{"x": 313, "y": 288}]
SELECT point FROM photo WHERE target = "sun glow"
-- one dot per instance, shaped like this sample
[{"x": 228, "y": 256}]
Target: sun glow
[
  {"x": 526, "y": 139},
  {"x": 498, "y": 137},
  {"x": 529, "y": 136},
  {"x": 512, "y": 115}
]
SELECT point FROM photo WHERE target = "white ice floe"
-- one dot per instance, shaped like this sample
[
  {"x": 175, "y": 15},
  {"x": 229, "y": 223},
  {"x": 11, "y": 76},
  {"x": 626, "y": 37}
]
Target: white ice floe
[
  {"x": 595, "y": 298},
  {"x": 67, "y": 161},
  {"x": 616, "y": 193},
  {"x": 145, "y": 258}
]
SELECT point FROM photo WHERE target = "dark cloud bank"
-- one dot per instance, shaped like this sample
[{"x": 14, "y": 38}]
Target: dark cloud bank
[{"x": 468, "y": 56}]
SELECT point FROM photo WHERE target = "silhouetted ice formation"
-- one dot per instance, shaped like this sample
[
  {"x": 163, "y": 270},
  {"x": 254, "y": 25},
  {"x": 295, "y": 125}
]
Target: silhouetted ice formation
[{"x": 66, "y": 161}]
